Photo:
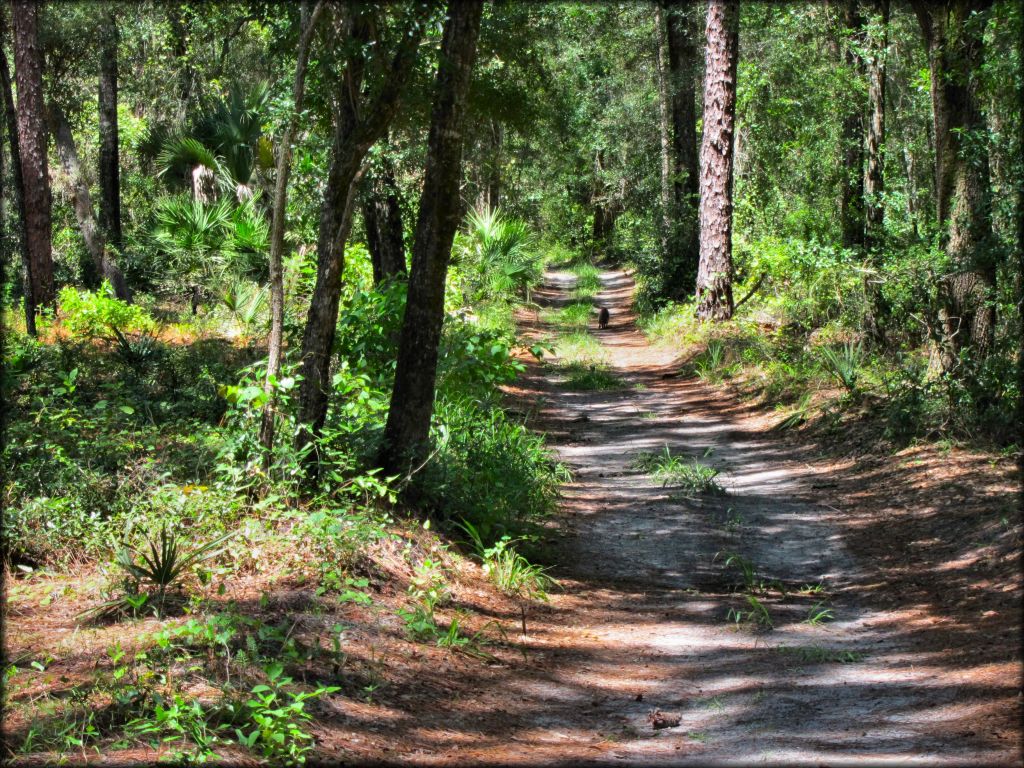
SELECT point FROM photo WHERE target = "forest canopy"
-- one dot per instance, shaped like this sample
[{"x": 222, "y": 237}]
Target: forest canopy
[{"x": 269, "y": 271}]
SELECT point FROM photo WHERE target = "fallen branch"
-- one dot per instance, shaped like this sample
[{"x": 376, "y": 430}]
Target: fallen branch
[{"x": 752, "y": 291}]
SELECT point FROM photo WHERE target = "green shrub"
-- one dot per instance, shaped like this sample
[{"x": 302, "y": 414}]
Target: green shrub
[
  {"x": 97, "y": 314},
  {"x": 488, "y": 470}
]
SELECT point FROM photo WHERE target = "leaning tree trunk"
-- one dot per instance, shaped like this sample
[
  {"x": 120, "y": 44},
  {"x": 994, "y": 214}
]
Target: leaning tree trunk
[
  {"x": 277, "y": 224},
  {"x": 953, "y": 37},
  {"x": 35, "y": 172},
  {"x": 11, "y": 122},
  {"x": 382, "y": 216},
  {"x": 874, "y": 180},
  {"x": 714, "y": 275},
  {"x": 110, "y": 171},
  {"x": 358, "y": 128},
  {"x": 684, "y": 70},
  {"x": 406, "y": 436},
  {"x": 81, "y": 201}
]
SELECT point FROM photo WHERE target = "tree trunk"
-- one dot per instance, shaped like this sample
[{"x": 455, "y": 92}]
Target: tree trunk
[
  {"x": 667, "y": 204},
  {"x": 493, "y": 176},
  {"x": 11, "y": 123},
  {"x": 953, "y": 37},
  {"x": 1018, "y": 292},
  {"x": 357, "y": 129},
  {"x": 714, "y": 275},
  {"x": 277, "y": 225},
  {"x": 684, "y": 69},
  {"x": 851, "y": 190},
  {"x": 382, "y": 215},
  {"x": 35, "y": 173},
  {"x": 110, "y": 171},
  {"x": 179, "y": 48},
  {"x": 874, "y": 181},
  {"x": 406, "y": 436},
  {"x": 105, "y": 264}
]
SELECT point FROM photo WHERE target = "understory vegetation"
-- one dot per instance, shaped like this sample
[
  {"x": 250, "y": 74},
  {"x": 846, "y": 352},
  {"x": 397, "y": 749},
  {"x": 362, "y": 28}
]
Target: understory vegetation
[{"x": 270, "y": 279}]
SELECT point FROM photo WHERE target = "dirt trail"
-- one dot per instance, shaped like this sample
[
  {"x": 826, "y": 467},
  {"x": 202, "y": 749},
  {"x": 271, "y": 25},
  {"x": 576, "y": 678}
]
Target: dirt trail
[
  {"x": 915, "y": 668},
  {"x": 642, "y": 623}
]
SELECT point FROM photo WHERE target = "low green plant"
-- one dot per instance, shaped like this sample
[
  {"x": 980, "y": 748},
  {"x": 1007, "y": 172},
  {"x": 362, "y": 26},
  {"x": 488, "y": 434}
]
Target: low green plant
[
  {"x": 588, "y": 280},
  {"x": 675, "y": 470},
  {"x": 756, "y": 614},
  {"x": 277, "y": 718},
  {"x": 844, "y": 363},
  {"x": 427, "y": 590},
  {"x": 586, "y": 378},
  {"x": 746, "y": 568},
  {"x": 819, "y": 614},
  {"x": 96, "y": 314},
  {"x": 710, "y": 360},
  {"x": 165, "y": 562},
  {"x": 510, "y": 572}
]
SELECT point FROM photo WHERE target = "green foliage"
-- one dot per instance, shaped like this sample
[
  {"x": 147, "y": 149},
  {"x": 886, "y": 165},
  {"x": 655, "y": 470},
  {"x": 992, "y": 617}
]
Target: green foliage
[
  {"x": 510, "y": 572},
  {"x": 498, "y": 256},
  {"x": 844, "y": 363},
  {"x": 98, "y": 314},
  {"x": 488, "y": 470},
  {"x": 278, "y": 718},
  {"x": 673, "y": 470},
  {"x": 427, "y": 590},
  {"x": 583, "y": 377},
  {"x": 588, "y": 281},
  {"x": 164, "y": 564},
  {"x": 757, "y": 614}
]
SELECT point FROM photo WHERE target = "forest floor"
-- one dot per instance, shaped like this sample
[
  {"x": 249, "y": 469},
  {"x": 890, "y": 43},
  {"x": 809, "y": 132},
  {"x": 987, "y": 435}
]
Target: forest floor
[
  {"x": 916, "y": 555},
  {"x": 638, "y": 658}
]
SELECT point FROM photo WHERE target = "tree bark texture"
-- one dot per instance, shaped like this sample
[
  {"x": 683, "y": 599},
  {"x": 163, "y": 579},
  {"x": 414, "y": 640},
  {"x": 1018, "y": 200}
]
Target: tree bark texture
[
  {"x": 28, "y": 74},
  {"x": 851, "y": 191},
  {"x": 104, "y": 262},
  {"x": 953, "y": 37},
  {"x": 357, "y": 128},
  {"x": 684, "y": 69},
  {"x": 406, "y": 436},
  {"x": 110, "y": 163},
  {"x": 874, "y": 180},
  {"x": 275, "y": 340},
  {"x": 714, "y": 274},
  {"x": 11, "y": 123},
  {"x": 664, "y": 124},
  {"x": 382, "y": 215}
]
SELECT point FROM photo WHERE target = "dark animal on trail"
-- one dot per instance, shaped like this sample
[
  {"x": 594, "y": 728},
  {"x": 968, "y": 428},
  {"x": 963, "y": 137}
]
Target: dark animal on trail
[{"x": 602, "y": 318}]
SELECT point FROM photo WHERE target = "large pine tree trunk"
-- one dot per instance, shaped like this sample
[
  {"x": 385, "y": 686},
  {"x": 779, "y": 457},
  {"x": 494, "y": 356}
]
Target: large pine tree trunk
[
  {"x": 358, "y": 128},
  {"x": 407, "y": 433},
  {"x": 874, "y": 180},
  {"x": 275, "y": 340},
  {"x": 714, "y": 274},
  {"x": 953, "y": 33},
  {"x": 81, "y": 201},
  {"x": 110, "y": 171},
  {"x": 11, "y": 123},
  {"x": 668, "y": 208},
  {"x": 28, "y": 75},
  {"x": 684, "y": 69}
]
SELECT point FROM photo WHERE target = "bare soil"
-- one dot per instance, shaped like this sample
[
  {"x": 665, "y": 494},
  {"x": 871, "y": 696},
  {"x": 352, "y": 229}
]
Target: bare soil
[{"x": 637, "y": 659}]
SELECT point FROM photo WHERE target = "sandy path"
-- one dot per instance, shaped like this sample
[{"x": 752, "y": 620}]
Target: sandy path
[{"x": 642, "y": 624}]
